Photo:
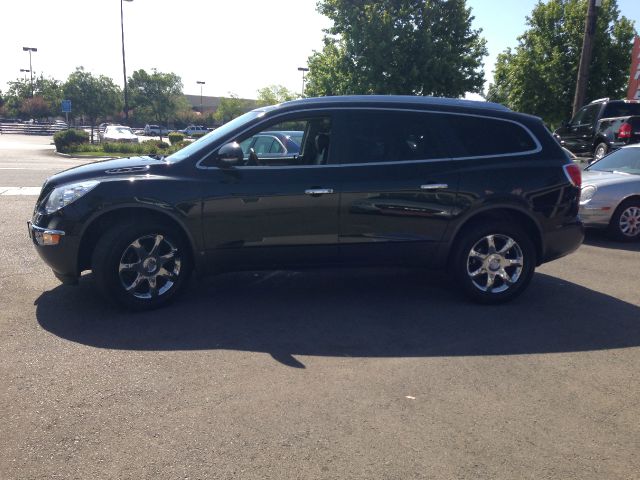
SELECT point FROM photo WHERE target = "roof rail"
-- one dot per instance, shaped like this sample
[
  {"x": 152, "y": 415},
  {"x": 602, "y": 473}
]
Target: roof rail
[{"x": 606, "y": 99}]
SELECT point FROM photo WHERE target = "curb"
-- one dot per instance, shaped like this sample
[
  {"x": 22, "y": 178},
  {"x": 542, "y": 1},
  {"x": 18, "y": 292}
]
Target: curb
[{"x": 82, "y": 157}]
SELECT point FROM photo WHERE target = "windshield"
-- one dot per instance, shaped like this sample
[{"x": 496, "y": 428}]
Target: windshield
[
  {"x": 214, "y": 136},
  {"x": 625, "y": 160},
  {"x": 125, "y": 130}
]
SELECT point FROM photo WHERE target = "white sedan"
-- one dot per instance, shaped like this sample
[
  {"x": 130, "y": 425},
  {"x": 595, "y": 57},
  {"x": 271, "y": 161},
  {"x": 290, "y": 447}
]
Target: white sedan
[{"x": 118, "y": 133}]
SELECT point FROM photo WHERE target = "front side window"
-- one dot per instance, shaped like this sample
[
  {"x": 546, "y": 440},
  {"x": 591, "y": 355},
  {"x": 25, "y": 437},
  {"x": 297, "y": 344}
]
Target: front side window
[{"x": 304, "y": 141}]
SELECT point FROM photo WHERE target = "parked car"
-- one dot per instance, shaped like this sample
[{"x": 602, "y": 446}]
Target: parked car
[
  {"x": 194, "y": 130},
  {"x": 471, "y": 187},
  {"x": 600, "y": 127},
  {"x": 155, "y": 130},
  {"x": 272, "y": 147},
  {"x": 611, "y": 194},
  {"x": 118, "y": 133}
]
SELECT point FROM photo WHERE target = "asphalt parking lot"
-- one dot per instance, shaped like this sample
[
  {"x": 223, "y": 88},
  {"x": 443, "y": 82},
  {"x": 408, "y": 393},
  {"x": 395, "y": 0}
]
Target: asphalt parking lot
[{"x": 325, "y": 374}]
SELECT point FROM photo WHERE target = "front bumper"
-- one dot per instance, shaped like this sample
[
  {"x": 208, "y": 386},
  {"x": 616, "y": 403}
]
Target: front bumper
[
  {"x": 596, "y": 216},
  {"x": 58, "y": 250}
]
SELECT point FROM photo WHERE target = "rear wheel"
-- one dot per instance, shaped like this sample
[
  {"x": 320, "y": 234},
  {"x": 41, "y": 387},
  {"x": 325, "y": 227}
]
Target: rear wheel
[
  {"x": 141, "y": 267},
  {"x": 625, "y": 222},
  {"x": 493, "y": 263},
  {"x": 600, "y": 151}
]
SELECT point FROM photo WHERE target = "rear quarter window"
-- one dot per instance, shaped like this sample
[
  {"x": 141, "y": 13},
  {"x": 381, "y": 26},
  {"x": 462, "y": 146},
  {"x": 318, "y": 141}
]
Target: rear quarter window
[{"x": 477, "y": 136}]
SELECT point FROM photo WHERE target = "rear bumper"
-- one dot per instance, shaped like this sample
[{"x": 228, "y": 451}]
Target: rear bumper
[{"x": 563, "y": 241}]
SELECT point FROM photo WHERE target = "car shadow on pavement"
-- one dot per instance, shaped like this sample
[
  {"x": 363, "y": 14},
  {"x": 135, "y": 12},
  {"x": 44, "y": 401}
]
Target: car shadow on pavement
[
  {"x": 599, "y": 238},
  {"x": 350, "y": 313}
]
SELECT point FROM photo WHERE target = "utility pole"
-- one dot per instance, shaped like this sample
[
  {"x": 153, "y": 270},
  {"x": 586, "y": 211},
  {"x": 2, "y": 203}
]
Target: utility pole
[
  {"x": 124, "y": 66},
  {"x": 201, "y": 84},
  {"x": 585, "y": 57}
]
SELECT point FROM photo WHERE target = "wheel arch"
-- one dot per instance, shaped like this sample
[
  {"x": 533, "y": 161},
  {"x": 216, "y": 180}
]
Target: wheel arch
[
  {"x": 500, "y": 213},
  {"x": 105, "y": 219}
]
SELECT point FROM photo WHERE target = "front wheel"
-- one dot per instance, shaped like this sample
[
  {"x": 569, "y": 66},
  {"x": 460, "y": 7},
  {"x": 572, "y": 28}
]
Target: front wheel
[
  {"x": 625, "y": 222},
  {"x": 141, "y": 267},
  {"x": 493, "y": 263}
]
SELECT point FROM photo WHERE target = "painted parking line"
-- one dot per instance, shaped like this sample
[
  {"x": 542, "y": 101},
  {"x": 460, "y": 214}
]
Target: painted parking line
[{"x": 19, "y": 191}]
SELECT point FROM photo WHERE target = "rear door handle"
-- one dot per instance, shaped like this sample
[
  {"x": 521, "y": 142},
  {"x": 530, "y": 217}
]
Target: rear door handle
[
  {"x": 434, "y": 186},
  {"x": 318, "y": 191}
]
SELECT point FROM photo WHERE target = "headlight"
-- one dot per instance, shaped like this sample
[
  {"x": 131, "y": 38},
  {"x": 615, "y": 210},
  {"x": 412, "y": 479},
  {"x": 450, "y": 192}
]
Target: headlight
[
  {"x": 66, "y": 194},
  {"x": 587, "y": 193}
]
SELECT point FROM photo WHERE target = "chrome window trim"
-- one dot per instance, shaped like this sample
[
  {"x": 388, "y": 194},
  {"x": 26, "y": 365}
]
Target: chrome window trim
[{"x": 538, "y": 148}]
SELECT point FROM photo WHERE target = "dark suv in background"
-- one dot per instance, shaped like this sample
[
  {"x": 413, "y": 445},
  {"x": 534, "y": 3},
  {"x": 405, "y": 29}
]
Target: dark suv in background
[
  {"x": 378, "y": 180},
  {"x": 600, "y": 127}
]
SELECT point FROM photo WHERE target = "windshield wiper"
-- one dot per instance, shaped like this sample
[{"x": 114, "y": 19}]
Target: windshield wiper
[{"x": 157, "y": 156}]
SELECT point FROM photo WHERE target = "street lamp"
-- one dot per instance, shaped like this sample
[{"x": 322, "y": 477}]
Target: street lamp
[
  {"x": 201, "y": 84},
  {"x": 23, "y": 70},
  {"x": 124, "y": 65},
  {"x": 303, "y": 70},
  {"x": 30, "y": 49}
]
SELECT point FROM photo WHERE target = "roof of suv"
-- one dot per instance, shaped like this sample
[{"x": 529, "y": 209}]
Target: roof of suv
[{"x": 405, "y": 99}]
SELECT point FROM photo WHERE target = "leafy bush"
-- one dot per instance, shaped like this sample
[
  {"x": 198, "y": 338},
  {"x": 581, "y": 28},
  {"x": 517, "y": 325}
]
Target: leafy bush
[
  {"x": 198, "y": 135},
  {"x": 66, "y": 139},
  {"x": 175, "y": 137}
]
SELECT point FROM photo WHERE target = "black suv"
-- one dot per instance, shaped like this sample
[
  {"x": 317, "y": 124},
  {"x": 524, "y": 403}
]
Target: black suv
[
  {"x": 378, "y": 180},
  {"x": 601, "y": 126}
]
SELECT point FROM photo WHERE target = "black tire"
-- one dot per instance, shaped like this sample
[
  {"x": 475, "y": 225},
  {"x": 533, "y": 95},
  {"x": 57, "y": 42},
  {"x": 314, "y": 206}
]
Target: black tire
[
  {"x": 625, "y": 221},
  {"x": 600, "y": 151},
  {"x": 115, "y": 249},
  {"x": 492, "y": 263}
]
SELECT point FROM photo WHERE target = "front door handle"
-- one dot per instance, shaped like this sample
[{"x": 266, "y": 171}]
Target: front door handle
[
  {"x": 318, "y": 191},
  {"x": 434, "y": 186}
]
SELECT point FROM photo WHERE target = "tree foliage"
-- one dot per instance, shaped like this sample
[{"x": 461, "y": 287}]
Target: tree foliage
[
  {"x": 421, "y": 47},
  {"x": 47, "y": 95},
  {"x": 156, "y": 95},
  {"x": 539, "y": 75},
  {"x": 274, "y": 94},
  {"x": 230, "y": 108}
]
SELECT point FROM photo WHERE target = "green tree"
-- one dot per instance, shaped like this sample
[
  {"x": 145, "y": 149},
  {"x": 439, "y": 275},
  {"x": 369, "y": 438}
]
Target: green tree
[
  {"x": 274, "y": 94},
  {"x": 20, "y": 102},
  {"x": 539, "y": 75},
  {"x": 421, "y": 47},
  {"x": 230, "y": 108},
  {"x": 93, "y": 97},
  {"x": 156, "y": 95}
]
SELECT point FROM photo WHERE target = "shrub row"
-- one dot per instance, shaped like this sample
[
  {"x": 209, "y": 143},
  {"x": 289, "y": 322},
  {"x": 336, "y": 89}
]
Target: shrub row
[{"x": 65, "y": 140}]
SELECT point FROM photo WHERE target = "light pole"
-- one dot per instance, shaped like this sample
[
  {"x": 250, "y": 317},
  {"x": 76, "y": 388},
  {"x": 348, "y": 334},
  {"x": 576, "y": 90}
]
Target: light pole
[
  {"x": 30, "y": 49},
  {"x": 124, "y": 65},
  {"x": 201, "y": 84},
  {"x": 303, "y": 70},
  {"x": 24, "y": 70}
]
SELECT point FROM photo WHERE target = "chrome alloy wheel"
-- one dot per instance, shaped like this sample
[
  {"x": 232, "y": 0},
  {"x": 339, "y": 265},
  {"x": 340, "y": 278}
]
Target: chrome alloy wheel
[
  {"x": 149, "y": 266},
  {"x": 630, "y": 221},
  {"x": 495, "y": 263}
]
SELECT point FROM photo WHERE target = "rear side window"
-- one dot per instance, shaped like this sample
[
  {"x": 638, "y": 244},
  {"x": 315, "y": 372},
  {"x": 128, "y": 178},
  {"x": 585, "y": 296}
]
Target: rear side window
[
  {"x": 621, "y": 110},
  {"x": 483, "y": 136},
  {"x": 388, "y": 136}
]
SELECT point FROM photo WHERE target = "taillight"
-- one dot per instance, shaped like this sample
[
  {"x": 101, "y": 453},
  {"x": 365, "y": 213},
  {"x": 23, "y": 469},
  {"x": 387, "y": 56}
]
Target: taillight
[
  {"x": 625, "y": 131},
  {"x": 574, "y": 174}
]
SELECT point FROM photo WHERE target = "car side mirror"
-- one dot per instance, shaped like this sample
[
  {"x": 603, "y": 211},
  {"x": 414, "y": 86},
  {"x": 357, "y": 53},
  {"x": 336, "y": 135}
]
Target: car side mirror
[{"x": 229, "y": 155}]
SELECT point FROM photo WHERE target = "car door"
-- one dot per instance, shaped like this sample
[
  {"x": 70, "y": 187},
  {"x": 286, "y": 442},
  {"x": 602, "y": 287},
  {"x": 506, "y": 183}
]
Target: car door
[
  {"x": 267, "y": 216},
  {"x": 398, "y": 187},
  {"x": 578, "y": 134}
]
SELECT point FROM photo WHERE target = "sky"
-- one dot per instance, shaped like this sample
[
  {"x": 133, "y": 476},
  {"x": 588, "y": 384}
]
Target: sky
[{"x": 234, "y": 46}]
